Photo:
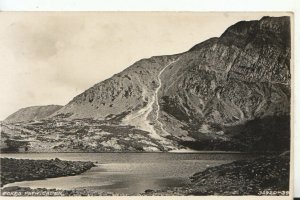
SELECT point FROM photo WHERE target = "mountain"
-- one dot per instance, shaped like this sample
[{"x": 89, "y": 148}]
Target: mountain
[
  {"x": 222, "y": 82},
  {"x": 32, "y": 113},
  {"x": 227, "y": 93}
]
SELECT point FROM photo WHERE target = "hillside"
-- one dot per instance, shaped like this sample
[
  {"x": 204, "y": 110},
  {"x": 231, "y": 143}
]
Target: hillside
[{"x": 222, "y": 82}]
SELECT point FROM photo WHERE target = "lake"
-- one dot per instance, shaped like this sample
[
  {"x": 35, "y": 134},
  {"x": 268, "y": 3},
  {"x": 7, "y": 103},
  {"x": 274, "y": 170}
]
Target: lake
[{"x": 129, "y": 173}]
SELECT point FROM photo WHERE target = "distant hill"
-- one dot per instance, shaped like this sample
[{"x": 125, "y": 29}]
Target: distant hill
[{"x": 33, "y": 113}]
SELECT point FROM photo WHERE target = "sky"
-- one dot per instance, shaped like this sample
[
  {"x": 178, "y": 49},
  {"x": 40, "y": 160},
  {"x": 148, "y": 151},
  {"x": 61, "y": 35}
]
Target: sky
[{"x": 50, "y": 57}]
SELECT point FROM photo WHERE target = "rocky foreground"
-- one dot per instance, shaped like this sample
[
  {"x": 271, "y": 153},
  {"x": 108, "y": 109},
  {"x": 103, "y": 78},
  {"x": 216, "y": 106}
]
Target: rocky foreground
[
  {"x": 262, "y": 176},
  {"x": 244, "y": 177},
  {"x": 13, "y": 170}
]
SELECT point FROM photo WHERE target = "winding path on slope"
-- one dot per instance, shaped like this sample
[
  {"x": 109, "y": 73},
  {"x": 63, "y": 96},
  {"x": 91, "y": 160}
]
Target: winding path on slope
[
  {"x": 140, "y": 118},
  {"x": 156, "y": 96}
]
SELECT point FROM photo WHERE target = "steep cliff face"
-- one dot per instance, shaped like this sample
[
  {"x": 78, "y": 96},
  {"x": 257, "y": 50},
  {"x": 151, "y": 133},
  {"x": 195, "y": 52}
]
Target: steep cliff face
[
  {"x": 32, "y": 113},
  {"x": 199, "y": 95},
  {"x": 240, "y": 76}
]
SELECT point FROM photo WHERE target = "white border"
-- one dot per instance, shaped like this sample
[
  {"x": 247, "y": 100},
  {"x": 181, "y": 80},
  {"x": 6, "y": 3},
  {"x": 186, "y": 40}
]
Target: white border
[
  {"x": 183, "y": 5},
  {"x": 150, "y": 5}
]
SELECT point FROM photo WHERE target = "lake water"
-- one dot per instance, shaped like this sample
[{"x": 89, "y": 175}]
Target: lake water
[{"x": 129, "y": 173}]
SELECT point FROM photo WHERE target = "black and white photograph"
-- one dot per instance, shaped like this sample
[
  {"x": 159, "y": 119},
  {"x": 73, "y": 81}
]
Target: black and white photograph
[{"x": 146, "y": 103}]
